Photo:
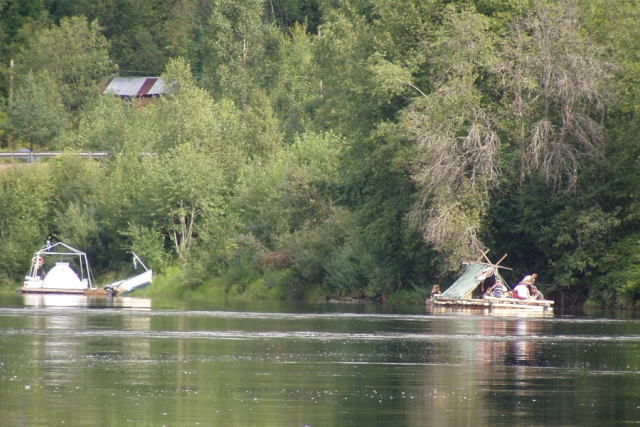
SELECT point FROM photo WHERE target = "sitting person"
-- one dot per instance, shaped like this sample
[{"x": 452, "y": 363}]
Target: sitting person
[
  {"x": 435, "y": 290},
  {"x": 535, "y": 293},
  {"x": 521, "y": 290},
  {"x": 498, "y": 290}
]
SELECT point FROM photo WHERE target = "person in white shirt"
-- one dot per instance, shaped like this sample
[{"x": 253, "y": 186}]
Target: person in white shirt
[{"x": 521, "y": 290}]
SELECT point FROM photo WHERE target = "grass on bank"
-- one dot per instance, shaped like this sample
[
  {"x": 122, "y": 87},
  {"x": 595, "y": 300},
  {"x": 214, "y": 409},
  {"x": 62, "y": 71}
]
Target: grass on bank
[
  {"x": 173, "y": 284},
  {"x": 276, "y": 285},
  {"x": 271, "y": 286}
]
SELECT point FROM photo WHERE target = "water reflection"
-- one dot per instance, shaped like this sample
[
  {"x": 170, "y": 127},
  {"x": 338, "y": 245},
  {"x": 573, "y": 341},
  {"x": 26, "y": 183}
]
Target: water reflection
[
  {"x": 100, "y": 364},
  {"x": 523, "y": 350},
  {"x": 71, "y": 300},
  {"x": 440, "y": 310},
  {"x": 55, "y": 300}
]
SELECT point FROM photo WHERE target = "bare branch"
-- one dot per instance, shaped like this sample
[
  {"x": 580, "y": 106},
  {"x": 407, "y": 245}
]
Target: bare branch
[{"x": 555, "y": 80}]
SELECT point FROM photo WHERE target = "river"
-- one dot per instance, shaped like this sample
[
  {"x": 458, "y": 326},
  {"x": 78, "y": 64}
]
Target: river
[{"x": 79, "y": 361}]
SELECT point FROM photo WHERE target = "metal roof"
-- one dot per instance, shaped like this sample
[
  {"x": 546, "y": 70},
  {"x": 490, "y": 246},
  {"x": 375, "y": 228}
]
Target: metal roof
[
  {"x": 475, "y": 273},
  {"x": 135, "y": 86}
]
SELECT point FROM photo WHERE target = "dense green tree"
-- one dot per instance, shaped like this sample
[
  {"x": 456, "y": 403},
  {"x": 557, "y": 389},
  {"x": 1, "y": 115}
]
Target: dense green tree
[
  {"x": 25, "y": 217},
  {"x": 18, "y": 18},
  {"x": 352, "y": 147},
  {"x": 144, "y": 35},
  {"x": 296, "y": 95},
  {"x": 36, "y": 117},
  {"x": 286, "y": 216},
  {"x": 75, "y": 56},
  {"x": 240, "y": 49},
  {"x": 289, "y": 13}
]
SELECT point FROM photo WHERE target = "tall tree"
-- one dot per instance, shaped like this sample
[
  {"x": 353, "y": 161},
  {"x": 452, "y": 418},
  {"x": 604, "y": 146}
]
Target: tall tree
[
  {"x": 240, "y": 45},
  {"x": 74, "y": 54},
  {"x": 455, "y": 135},
  {"x": 37, "y": 116},
  {"x": 18, "y": 19},
  {"x": 143, "y": 35},
  {"x": 555, "y": 83},
  {"x": 296, "y": 94}
]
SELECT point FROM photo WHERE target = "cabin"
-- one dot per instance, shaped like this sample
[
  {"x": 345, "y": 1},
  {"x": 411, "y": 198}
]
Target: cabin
[{"x": 144, "y": 88}]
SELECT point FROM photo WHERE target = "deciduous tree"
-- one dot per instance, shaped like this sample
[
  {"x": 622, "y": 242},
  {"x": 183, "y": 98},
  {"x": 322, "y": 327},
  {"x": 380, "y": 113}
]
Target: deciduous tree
[
  {"x": 37, "y": 116},
  {"x": 74, "y": 54}
]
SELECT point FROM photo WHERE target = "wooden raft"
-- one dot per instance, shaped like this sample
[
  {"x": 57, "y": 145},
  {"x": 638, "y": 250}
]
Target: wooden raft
[{"x": 493, "y": 302}]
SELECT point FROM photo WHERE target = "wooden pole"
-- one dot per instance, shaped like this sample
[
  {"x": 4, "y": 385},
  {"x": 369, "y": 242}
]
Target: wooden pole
[
  {"x": 501, "y": 259},
  {"x": 488, "y": 264},
  {"x": 320, "y": 88},
  {"x": 484, "y": 255},
  {"x": 9, "y": 139}
]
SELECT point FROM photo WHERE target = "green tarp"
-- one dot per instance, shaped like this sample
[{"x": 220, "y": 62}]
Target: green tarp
[{"x": 470, "y": 279}]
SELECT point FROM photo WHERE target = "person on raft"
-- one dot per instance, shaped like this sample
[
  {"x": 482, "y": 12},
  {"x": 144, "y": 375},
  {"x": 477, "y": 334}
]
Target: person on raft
[
  {"x": 435, "y": 290},
  {"x": 521, "y": 290},
  {"x": 498, "y": 290}
]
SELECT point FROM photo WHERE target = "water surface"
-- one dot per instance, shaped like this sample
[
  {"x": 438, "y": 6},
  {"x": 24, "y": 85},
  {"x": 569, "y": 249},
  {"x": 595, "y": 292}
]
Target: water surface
[{"x": 132, "y": 361}]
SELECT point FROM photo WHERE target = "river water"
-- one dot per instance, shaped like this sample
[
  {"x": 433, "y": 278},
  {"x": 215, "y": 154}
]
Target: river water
[{"x": 129, "y": 361}]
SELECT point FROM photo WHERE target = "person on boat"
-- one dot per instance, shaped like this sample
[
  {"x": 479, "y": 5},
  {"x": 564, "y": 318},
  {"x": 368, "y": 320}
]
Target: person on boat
[
  {"x": 521, "y": 290},
  {"x": 498, "y": 290},
  {"x": 435, "y": 290},
  {"x": 534, "y": 292}
]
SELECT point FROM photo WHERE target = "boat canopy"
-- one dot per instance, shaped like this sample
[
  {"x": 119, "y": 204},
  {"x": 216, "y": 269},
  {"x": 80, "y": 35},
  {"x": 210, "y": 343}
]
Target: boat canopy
[
  {"x": 475, "y": 273},
  {"x": 63, "y": 277},
  {"x": 63, "y": 256}
]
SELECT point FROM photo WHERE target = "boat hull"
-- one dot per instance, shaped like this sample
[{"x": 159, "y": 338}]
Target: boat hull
[
  {"x": 129, "y": 285},
  {"x": 120, "y": 288},
  {"x": 30, "y": 290}
]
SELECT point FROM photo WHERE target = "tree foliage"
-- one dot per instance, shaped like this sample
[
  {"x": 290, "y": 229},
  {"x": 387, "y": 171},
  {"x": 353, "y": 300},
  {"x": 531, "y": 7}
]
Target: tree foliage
[
  {"x": 351, "y": 148},
  {"x": 37, "y": 117},
  {"x": 455, "y": 133},
  {"x": 74, "y": 55}
]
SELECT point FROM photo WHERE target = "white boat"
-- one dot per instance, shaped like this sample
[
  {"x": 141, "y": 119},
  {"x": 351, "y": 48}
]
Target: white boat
[
  {"x": 69, "y": 273},
  {"x": 61, "y": 277}
]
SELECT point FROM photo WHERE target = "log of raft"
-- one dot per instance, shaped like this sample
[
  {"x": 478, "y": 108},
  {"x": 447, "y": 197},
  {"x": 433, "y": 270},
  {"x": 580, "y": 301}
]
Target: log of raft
[
  {"x": 515, "y": 301},
  {"x": 464, "y": 302},
  {"x": 493, "y": 302}
]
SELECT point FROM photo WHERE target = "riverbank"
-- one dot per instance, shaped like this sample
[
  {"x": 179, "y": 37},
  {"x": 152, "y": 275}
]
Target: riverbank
[
  {"x": 172, "y": 285},
  {"x": 279, "y": 285}
]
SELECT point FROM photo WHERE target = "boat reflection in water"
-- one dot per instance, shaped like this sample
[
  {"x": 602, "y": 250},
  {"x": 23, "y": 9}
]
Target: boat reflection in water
[
  {"x": 522, "y": 351},
  {"x": 495, "y": 337},
  {"x": 452, "y": 310},
  {"x": 74, "y": 300}
]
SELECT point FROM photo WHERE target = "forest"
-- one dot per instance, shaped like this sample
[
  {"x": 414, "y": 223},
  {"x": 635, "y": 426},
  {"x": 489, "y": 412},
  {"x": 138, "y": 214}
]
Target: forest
[{"x": 328, "y": 149}]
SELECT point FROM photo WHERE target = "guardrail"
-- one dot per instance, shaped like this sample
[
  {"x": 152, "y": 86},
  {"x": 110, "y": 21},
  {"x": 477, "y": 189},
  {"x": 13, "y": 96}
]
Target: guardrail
[{"x": 48, "y": 154}]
